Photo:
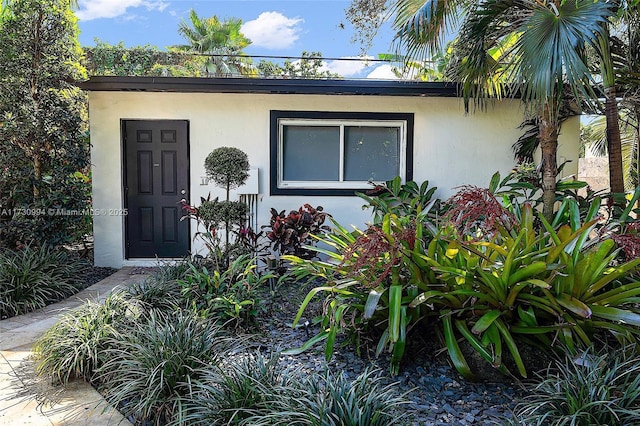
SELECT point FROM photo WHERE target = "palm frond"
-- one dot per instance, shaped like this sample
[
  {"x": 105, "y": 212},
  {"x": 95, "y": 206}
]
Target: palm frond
[
  {"x": 596, "y": 142},
  {"x": 552, "y": 48},
  {"x": 421, "y": 25},
  {"x": 483, "y": 52}
]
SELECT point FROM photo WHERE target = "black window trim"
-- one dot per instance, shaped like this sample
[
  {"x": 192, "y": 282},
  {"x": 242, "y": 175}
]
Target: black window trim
[{"x": 333, "y": 115}]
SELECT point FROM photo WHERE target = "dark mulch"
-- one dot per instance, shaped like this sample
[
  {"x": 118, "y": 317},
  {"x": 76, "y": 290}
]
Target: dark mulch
[{"x": 95, "y": 274}]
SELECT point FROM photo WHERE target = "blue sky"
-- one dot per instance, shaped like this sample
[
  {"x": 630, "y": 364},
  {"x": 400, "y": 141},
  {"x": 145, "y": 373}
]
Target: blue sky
[{"x": 282, "y": 28}]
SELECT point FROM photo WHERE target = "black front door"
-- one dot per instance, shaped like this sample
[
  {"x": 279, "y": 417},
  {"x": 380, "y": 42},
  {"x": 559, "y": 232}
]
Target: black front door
[{"x": 156, "y": 179}]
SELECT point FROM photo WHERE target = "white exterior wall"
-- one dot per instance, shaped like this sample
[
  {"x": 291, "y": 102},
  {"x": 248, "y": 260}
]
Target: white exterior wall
[{"x": 450, "y": 148}]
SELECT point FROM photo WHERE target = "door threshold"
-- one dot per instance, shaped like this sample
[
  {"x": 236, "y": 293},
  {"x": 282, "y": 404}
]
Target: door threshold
[{"x": 151, "y": 263}]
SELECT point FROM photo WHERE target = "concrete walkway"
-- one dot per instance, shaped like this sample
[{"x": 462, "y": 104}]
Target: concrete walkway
[{"x": 26, "y": 400}]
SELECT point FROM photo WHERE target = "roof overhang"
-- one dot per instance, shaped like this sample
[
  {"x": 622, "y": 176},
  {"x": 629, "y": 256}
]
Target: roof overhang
[{"x": 269, "y": 86}]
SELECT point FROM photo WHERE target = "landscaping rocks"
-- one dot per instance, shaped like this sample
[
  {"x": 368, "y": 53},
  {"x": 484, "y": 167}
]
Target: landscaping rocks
[{"x": 438, "y": 395}]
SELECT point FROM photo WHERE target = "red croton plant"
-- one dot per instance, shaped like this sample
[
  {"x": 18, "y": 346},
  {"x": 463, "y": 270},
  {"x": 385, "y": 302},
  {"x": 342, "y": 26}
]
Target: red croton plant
[{"x": 291, "y": 233}]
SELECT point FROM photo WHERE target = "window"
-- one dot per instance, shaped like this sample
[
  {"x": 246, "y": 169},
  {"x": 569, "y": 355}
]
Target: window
[{"x": 338, "y": 153}]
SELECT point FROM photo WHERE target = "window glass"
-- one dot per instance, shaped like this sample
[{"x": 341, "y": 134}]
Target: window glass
[
  {"x": 338, "y": 153},
  {"x": 371, "y": 153},
  {"x": 311, "y": 153}
]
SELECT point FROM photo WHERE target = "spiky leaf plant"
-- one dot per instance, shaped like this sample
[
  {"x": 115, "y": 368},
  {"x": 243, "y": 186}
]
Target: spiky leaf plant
[
  {"x": 32, "y": 278},
  {"x": 594, "y": 388},
  {"x": 151, "y": 371},
  {"x": 74, "y": 346}
]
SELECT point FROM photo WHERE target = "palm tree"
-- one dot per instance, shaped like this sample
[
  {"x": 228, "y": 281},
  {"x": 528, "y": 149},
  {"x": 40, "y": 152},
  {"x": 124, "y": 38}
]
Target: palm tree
[
  {"x": 614, "y": 143},
  {"x": 620, "y": 76},
  {"x": 536, "y": 46},
  {"x": 221, "y": 40},
  {"x": 594, "y": 137}
]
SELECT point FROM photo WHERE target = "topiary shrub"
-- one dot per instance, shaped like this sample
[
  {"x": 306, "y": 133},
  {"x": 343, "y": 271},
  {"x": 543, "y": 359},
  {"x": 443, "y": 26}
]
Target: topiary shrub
[{"x": 228, "y": 167}]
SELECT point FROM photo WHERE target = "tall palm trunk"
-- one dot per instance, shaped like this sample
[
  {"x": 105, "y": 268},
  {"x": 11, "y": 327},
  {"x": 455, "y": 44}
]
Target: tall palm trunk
[
  {"x": 614, "y": 144},
  {"x": 548, "y": 135}
]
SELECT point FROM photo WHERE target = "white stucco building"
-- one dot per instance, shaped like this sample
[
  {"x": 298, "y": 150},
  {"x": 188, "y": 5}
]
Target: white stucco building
[{"x": 308, "y": 141}]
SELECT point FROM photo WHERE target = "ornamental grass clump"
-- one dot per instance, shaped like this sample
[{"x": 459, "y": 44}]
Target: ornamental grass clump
[
  {"x": 151, "y": 369},
  {"x": 32, "y": 278},
  {"x": 592, "y": 388},
  {"x": 156, "y": 293},
  {"x": 74, "y": 347},
  {"x": 240, "y": 388},
  {"x": 334, "y": 400}
]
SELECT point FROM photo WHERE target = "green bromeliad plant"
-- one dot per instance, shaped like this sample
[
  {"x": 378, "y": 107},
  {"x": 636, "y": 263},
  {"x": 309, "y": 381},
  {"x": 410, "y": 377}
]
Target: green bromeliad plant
[
  {"x": 365, "y": 279},
  {"x": 493, "y": 277},
  {"x": 552, "y": 288}
]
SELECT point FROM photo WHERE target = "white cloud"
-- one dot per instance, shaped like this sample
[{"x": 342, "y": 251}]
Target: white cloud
[
  {"x": 347, "y": 68},
  {"x": 383, "y": 72},
  {"x": 95, "y": 9},
  {"x": 272, "y": 30}
]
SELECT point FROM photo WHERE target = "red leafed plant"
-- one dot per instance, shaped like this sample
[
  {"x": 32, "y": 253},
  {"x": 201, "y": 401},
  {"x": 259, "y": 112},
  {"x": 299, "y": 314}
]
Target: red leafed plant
[
  {"x": 374, "y": 254},
  {"x": 629, "y": 241},
  {"x": 290, "y": 233},
  {"x": 474, "y": 209}
]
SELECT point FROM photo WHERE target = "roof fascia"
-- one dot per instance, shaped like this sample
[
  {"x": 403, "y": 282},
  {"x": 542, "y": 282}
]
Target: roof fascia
[{"x": 270, "y": 86}]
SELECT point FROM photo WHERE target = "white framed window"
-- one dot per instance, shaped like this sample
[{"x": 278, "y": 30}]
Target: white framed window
[{"x": 338, "y": 153}]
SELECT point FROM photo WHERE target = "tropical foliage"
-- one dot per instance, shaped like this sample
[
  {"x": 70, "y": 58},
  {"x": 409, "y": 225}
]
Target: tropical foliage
[
  {"x": 292, "y": 233},
  {"x": 495, "y": 278},
  {"x": 44, "y": 189},
  {"x": 221, "y": 44},
  {"x": 228, "y": 294},
  {"x": 500, "y": 43},
  {"x": 593, "y": 388},
  {"x": 107, "y": 59},
  {"x": 499, "y": 46}
]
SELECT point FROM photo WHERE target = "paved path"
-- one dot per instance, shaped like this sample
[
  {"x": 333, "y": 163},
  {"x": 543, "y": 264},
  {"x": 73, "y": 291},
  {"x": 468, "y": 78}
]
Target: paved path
[{"x": 78, "y": 404}]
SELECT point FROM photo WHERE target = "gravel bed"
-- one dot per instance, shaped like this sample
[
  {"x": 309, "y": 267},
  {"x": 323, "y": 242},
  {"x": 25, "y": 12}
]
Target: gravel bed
[
  {"x": 438, "y": 394},
  {"x": 96, "y": 274}
]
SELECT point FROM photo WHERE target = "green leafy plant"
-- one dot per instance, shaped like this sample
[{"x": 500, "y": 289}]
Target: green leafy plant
[
  {"x": 172, "y": 271},
  {"x": 33, "y": 277},
  {"x": 226, "y": 294},
  {"x": 74, "y": 346},
  {"x": 491, "y": 276},
  {"x": 366, "y": 279},
  {"x": 528, "y": 286},
  {"x": 147, "y": 60},
  {"x": 156, "y": 294},
  {"x": 402, "y": 199},
  {"x": 150, "y": 371},
  {"x": 593, "y": 388},
  {"x": 45, "y": 148}
]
